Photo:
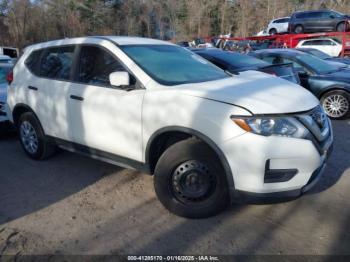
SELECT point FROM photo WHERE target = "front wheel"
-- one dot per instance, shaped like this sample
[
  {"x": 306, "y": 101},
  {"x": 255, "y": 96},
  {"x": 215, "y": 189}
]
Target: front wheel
[
  {"x": 190, "y": 181},
  {"x": 273, "y": 31},
  {"x": 336, "y": 104}
]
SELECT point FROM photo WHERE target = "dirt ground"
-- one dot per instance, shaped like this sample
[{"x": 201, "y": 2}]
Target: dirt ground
[{"x": 71, "y": 204}]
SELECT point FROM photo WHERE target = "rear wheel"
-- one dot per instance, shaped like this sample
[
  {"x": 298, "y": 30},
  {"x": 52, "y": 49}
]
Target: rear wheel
[
  {"x": 341, "y": 27},
  {"x": 299, "y": 29},
  {"x": 273, "y": 31},
  {"x": 32, "y": 137},
  {"x": 190, "y": 181},
  {"x": 336, "y": 104}
]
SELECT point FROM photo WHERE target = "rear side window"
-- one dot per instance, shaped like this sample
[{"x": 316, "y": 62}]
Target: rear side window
[
  {"x": 95, "y": 66},
  {"x": 32, "y": 61},
  {"x": 283, "y": 20},
  {"x": 56, "y": 63},
  {"x": 302, "y": 15}
]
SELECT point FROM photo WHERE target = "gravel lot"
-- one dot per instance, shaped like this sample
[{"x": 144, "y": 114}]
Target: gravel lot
[{"x": 71, "y": 204}]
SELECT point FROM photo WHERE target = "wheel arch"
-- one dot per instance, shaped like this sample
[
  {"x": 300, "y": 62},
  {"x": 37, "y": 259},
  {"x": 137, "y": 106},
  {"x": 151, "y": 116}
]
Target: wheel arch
[
  {"x": 334, "y": 88},
  {"x": 20, "y": 109},
  {"x": 152, "y": 157},
  {"x": 273, "y": 28},
  {"x": 345, "y": 22}
]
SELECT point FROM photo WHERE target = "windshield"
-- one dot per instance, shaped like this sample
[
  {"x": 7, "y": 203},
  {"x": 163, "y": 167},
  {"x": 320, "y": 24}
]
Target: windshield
[
  {"x": 316, "y": 64},
  {"x": 319, "y": 54},
  {"x": 173, "y": 65},
  {"x": 3, "y": 73}
]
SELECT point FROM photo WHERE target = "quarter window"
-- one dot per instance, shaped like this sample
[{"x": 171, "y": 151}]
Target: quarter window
[
  {"x": 56, "y": 63},
  {"x": 33, "y": 60},
  {"x": 95, "y": 66}
]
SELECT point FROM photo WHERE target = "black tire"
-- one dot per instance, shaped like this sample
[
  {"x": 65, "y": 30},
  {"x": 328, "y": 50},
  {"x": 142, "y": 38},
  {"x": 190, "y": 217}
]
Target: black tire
[
  {"x": 341, "y": 104},
  {"x": 34, "y": 143},
  {"x": 299, "y": 29},
  {"x": 186, "y": 162},
  {"x": 341, "y": 27},
  {"x": 272, "y": 31}
]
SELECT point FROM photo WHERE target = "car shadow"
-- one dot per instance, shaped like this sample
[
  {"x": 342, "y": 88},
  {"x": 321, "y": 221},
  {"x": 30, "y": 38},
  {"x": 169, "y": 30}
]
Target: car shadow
[{"x": 27, "y": 185}]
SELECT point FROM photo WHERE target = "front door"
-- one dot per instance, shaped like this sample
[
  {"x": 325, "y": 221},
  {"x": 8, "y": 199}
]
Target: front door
[{"x": 104, "y": 117}]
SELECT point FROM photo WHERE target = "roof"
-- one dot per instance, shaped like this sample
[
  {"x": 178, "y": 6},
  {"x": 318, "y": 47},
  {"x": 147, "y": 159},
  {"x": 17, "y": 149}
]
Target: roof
[
  {"x": 287, "y": 51},
  {"x": 5, "y": 57},
  {"x": 313, "y": 11},
  {"x": 127, "y": 40},
  {"x": 119, "y": 40},
  {"x": 286, "y": 17},
  {"x": 317, "y": 38}
]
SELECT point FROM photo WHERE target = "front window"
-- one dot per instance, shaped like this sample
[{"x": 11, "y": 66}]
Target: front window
[
  {"x": 95, "y": 66},
  {"x": 316, "y": 64},
  {"x": 337, "y": 14},
  {"x": 173, "y": 65}
]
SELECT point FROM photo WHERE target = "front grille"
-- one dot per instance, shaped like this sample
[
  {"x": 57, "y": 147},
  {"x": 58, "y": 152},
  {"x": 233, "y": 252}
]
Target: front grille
[
  {"x": 2, "y": 107},
  {"x": 317, "y": 122}
]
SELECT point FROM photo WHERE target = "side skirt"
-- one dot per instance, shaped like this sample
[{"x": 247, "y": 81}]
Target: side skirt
[{"x": 100, "y": 155}]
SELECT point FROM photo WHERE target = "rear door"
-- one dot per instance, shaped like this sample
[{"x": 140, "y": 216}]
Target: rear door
[
  {"x": 47, "y": 88},
  {"x": 314, "y": 21}
]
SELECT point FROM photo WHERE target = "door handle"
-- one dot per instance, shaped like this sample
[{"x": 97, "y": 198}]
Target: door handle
[
  {"x": 79, "y": 98},
  {"x": 33, "y": 88}
]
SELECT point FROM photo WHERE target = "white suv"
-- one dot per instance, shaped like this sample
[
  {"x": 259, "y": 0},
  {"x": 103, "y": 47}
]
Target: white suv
[
  {"x": 278, "y": 26},
  {"x": 151, "y": 105},
  {"x": 329, "y": 46}
]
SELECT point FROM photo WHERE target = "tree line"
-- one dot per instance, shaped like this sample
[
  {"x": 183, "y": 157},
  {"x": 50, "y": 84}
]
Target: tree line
[{"x": 23, "y": 22}]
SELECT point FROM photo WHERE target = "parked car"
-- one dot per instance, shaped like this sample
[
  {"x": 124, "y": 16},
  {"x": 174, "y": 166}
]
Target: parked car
[
  {"x": 318, "y": 21},
  {"x": 184, "y": 44},
  {"x": 324, "y": 56},
  {"x": 278, "y": 26},
  {"x": 151, "y": 105},
  {"x": 234, "y": 63},
  {"x": 9, "y": 51},
  {"x": 5, "y": 59},
  {"x": 5, "y": 68},
  {"x": 330, "y": 46},
  {"x": 330, "y": 83},
  {"x": 262, "y": 33}
]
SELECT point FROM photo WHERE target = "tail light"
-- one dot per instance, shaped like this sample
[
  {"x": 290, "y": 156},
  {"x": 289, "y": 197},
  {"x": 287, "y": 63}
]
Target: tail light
[{"x": 9, "y": 77}]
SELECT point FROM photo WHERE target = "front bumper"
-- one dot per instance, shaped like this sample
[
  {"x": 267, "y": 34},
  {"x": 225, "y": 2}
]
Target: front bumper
[
  {"x": 248, "y": 154},
  {"x": 261, "y": 197}
]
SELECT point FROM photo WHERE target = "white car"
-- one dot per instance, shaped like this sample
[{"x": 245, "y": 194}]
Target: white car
[
  {"x": 9, "y": 51},
  {"x": 278, "y": 26},
  {"x": 329, "y": 46},
  {"x": 207, "y": 136}
]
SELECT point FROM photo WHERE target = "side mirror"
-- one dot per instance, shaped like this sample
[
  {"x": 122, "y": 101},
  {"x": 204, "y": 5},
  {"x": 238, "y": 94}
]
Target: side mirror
[
  {"x": 332, "y": 16},
  {"x": 119, "y": 78}
]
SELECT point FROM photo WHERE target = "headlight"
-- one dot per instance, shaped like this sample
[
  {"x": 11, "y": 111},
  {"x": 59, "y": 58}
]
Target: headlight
[{"x": 268, "y": 126}]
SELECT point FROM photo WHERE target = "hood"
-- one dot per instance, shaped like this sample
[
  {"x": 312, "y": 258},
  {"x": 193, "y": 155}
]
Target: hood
[
  {"x": 3, "y": 92},
  {"x": 257, "y": 92},
  {"x": 341, "y": 75},
  {"x": 339, "y": 60}
]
